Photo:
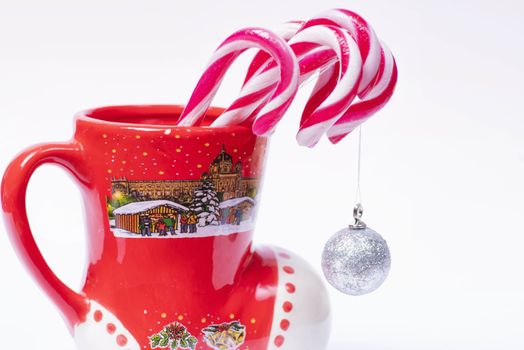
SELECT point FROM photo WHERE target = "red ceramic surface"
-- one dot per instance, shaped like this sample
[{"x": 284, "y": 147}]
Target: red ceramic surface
[{"x": 170, "y": 213}]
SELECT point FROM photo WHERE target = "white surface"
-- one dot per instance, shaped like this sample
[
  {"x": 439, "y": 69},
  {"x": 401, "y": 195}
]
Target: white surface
[{"x": 443, "y": 164}]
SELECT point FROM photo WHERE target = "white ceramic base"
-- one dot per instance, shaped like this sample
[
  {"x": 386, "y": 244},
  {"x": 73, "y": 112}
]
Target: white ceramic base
[
  {"x": 103, "y": 331},
  {"x": 307, "y": 325}
]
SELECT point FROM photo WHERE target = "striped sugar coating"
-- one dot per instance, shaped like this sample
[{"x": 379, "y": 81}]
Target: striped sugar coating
[
  {"x": 262, "y": 58},
  {"x": 254, "y": 97},
  {"x": 363, "y": 34},
  {"x": 374, "y": 100},
  {"x": 259, "y": 75},
  {"x": 376, "y": 87},
  {"x": 315, "y": 123},
  {"x": 315, "y": 47},
  {"x": 373, "y": 59},
  {"x": 223, "y": 58},
  {"x": 317, "y": 59}
]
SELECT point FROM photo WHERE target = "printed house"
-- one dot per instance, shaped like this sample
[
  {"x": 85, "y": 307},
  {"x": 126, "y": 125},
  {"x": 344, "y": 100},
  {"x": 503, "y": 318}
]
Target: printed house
[
  {"x": 128, "y": 216},
  {"x": 236, "y": 210}
]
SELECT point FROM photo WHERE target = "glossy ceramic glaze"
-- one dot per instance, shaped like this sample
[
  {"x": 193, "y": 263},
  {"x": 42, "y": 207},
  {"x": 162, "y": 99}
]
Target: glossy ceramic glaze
[{"x": 137, "y": 171}]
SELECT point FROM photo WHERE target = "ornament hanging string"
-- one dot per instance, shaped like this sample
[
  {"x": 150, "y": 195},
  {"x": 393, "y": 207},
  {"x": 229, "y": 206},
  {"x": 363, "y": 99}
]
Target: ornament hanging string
[
  {"x": 359, "y": 167},
  {"x": 358, "y": 210}
]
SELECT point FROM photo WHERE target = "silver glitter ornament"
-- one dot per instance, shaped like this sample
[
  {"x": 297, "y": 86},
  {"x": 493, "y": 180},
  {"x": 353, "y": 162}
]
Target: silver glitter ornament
[{"x": 356, "y": 260}]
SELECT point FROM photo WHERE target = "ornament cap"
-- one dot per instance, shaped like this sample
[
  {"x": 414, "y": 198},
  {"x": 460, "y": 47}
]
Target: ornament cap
[{"x": 358, "y": 211}]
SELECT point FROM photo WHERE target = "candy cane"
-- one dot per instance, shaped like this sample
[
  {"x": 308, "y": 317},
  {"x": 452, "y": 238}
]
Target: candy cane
[
  {"x": 375, "y": 99},
  {"x": 317, "y": 59},
  {"x": 263, "y": 78},
  {"x": 315, "y": 47},
  {"x": 315, "y": 123},
  {"x": 262, "y": 58},
  {"x": 248, "y": 105},
  {"x": 258, "y": 73},
  {"x": 360, "y": 30},
  {"x": 315, "y": 120},
  {"x": 375, "y": 87},
  {"x": 222, "y": 59},
  {"x": 363, "y": 34},
  {"x": 378, "y": 81}
]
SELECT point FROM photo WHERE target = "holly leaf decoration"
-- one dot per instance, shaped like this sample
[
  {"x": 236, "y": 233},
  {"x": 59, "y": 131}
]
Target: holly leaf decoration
[
  {"x": 155, "y": 340},
  {"x": 173, "y": 336},
  {"x": 164, "y": 342},
  {"x": 192, "y": 342}
]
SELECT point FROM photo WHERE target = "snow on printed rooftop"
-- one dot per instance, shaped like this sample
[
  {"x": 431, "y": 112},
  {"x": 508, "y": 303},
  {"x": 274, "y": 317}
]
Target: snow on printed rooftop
[
  {"x": 235, "y": 201},
  {"x": 138, "y": 207},
  {"x": 206, "y": 231}
]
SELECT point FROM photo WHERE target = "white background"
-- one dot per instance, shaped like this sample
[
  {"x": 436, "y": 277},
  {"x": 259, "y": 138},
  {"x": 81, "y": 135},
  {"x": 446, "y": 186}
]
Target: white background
[{"x": 443, "y": 164}]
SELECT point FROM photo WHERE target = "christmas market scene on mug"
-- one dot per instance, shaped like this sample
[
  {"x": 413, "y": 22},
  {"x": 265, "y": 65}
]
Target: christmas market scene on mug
[{"x": 168, "y": 208}]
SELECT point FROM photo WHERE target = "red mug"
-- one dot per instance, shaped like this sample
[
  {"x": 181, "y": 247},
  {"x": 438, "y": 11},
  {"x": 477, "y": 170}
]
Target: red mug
[{"x": 171, "y": 212}]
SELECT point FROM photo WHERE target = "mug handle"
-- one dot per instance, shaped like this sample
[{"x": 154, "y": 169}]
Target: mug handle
[{"x": 72, "y": 305}]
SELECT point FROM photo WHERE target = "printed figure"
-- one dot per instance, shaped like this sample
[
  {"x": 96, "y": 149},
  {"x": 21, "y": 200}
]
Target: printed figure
[
  {"x": 231, "y": 216},
  {"x": 248, "y": 212},
  {"x": 224, "y": 216},
  {"x": 175, "y": 220},
  {"x": 239, "y": 213},
  {"x": 161, "y": 227},
  {"x": 183, "y": 223},
  {"x": 170, "y": 224},
  {"x": 145, "y": 225},
  {"x": 192, "y": 221}
]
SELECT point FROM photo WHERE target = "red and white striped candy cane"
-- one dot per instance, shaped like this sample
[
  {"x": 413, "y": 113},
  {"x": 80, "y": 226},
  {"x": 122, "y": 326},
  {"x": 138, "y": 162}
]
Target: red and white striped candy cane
[
  {"x": 263, "y": 78},
  {"x": 253, "y": 98},
  {"x": 315, "y": 47},
  {"x": 260, "y": 75},
  {"x": 316, "y": 122},
  {"x": 222, "y": 59},
  {"x": 360, "y": 30},
  {"x": 369, "y": 47},
  {"x": 316, "y": 59},
  {"x": 261, "y": 59},
  {"x": 378, "y": 81},
  {"x": 315, "y": 119},
  {"x": 374, "y": 100},
  {"x": 363, "y": 34}
]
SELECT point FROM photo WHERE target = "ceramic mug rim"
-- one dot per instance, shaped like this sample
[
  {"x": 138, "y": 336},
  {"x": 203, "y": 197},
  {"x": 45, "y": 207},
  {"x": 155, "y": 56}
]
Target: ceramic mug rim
[{"x": 122, "y": 116}]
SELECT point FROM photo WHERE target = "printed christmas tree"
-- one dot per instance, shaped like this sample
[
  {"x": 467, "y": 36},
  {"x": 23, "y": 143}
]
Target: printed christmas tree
[{"x": 205, "y": 204}]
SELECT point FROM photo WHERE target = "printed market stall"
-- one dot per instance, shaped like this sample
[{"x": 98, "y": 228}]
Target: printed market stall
[
  {"x": 128, "y": 216},
  {"x": 236, "y": 210}
]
